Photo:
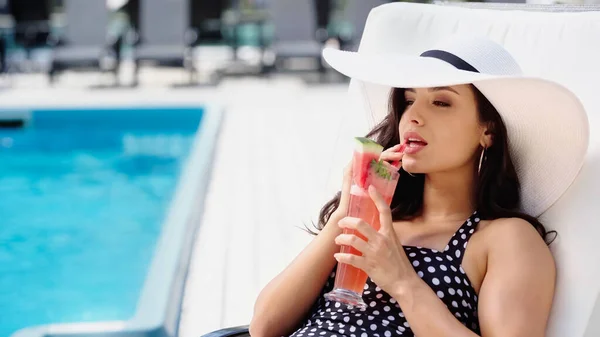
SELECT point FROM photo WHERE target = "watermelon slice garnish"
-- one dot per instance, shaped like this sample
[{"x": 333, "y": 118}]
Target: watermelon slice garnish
[{"x": 366, "y": 152}]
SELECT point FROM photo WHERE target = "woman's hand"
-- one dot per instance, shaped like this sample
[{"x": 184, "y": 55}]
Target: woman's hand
[
  {"x": 383, "y": 257},
  {"x": 393, "y": 155}
]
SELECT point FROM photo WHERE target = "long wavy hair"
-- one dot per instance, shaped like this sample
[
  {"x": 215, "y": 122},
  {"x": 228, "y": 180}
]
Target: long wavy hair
[{"x": 498, "y": 185}]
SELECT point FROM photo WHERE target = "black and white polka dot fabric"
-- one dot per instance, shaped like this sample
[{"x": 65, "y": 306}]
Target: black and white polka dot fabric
[{"x": 383, "y": 316}]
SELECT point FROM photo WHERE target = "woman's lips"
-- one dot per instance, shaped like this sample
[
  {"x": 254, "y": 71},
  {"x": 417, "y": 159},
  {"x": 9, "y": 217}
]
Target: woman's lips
[
  {"x": 413, "y": 136},
  {"x": 414, "y": 147}
]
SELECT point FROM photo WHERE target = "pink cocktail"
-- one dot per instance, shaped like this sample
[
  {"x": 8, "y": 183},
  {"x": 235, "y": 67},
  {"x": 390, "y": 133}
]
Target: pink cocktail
[{"x": 367, "y": 170}]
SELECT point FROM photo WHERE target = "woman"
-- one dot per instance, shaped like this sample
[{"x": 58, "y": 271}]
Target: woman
[{"x": 460, "y": 251}]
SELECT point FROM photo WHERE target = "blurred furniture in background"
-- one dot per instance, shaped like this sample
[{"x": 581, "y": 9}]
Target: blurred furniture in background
[
  {"x": 323, "y": 9},
  {"x": 84, "y": 43},
  {"x": 3, "y": 55},
  {"x": 206, "y": 20},
  {"x": 163, "y": 35},
  {"x": 31, "y": 23},
  {"x": 240, "y": 21},
  {"x": 355, "y": 13},
  {"x": 277, "y": 36},
  {"x": 297, "y": 34},
  {"x": 208, "y": 23},
  {"x": 263, "y": 36},
  {"x": 4, "y": 11},
  {"x": 132, "y": 9}
]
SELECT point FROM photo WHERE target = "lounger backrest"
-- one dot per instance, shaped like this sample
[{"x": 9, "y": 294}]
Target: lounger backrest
[
  {"x": 293, "y": 20},
  {"x": 164, "y": 22},
  {"x": 87, "y": 22}
]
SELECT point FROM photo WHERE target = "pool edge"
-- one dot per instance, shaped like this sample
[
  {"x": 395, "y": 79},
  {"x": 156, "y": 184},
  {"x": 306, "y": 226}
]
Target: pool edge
[{"x": 158, "y": 316}]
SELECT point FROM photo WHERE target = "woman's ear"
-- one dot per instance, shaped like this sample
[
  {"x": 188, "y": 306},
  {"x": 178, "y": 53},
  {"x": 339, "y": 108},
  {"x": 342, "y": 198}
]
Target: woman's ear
[{"x": 487, "y": 138}]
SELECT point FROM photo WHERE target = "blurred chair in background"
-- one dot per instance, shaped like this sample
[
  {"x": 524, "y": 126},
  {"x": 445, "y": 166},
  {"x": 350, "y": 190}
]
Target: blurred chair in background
[
  {"x": 243, "y": 24},
  {"x": 297, "y": 33},
  {"x": 323, "y": 9},
  {"x": 164, "y": 35},
  {"x": 3, "y": 56},
  {"x": 132, "y": 9},
  {"x": 206, "y": 20},
  {"x": 4, "y": 11},
  {"x": 32, "y": 27},
  {"x": 85, "y": 43}
]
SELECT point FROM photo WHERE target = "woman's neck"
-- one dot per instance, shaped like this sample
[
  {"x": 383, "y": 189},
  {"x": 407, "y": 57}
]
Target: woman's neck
[{"x": 449, "y": 196}]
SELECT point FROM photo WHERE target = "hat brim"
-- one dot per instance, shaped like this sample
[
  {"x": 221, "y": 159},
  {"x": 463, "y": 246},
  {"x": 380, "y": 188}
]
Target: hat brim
[
  {"x": 548, "y": 129},
  {"x": 400, "y": 71}
]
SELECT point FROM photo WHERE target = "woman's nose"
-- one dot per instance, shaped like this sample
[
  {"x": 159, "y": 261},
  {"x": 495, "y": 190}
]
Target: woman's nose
[{"x": 414, "y": 114}]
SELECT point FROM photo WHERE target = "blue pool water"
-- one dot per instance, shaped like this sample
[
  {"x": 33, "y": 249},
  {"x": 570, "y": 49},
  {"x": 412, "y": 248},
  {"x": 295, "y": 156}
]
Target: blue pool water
[{"x": 83, "y": 194}]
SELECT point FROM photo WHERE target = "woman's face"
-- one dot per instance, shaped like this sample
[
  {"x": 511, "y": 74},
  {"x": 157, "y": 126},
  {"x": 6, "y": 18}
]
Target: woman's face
[{"x": 441, "y": 128}]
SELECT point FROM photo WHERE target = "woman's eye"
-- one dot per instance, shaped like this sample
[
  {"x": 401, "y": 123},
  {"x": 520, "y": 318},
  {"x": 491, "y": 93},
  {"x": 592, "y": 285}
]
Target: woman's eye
[
  {"x": 409, "y": 102},
  {"x": 441, "y": 104}
]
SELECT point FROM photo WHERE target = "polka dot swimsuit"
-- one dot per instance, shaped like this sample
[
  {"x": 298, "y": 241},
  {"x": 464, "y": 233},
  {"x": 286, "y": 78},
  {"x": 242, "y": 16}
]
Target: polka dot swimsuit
[{"x": 383, "y": 316}]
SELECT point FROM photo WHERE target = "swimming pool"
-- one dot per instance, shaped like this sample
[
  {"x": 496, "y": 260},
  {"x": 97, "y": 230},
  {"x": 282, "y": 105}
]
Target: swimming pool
[{"x": 99, "y": 207}]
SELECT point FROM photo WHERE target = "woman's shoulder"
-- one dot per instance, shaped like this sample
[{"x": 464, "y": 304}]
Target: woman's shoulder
[
  {"x": 509, "y": 229},
  {"x": 514, "y": 234}
]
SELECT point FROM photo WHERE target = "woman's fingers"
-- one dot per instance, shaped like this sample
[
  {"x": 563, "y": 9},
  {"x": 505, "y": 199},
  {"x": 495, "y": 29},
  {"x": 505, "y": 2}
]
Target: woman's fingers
[
  {"x": 390, "y": 156},
  {"x": 359, "y": 225},
  {"x": 393, "y": 155},
  {"x": 385, "y": 214},
  {"x": 392, "y": 149},
  {"x": 352, "y": 241},
  {"x": 351, "y": 259}
]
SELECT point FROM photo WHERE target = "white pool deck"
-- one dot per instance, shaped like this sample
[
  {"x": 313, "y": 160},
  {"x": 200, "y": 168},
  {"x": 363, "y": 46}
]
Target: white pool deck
[{"x": 275, "y": 166}]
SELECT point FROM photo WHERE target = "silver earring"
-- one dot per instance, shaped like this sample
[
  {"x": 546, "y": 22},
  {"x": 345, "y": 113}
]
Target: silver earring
[
  {"x": 410, "y": 174},
  {"x": 482, "y": 158}
]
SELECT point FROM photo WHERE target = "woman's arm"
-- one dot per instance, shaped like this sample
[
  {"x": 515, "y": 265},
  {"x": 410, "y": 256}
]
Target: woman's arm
[
  {"x": 286, "y": 300},
  {"x": 517, "y": 292},
  {"x": 515, "y": 297}
]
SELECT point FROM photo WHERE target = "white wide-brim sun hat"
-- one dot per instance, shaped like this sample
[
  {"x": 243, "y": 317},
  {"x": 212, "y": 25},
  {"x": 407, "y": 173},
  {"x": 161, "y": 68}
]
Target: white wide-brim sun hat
[{"x": 548, "y": 131}]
